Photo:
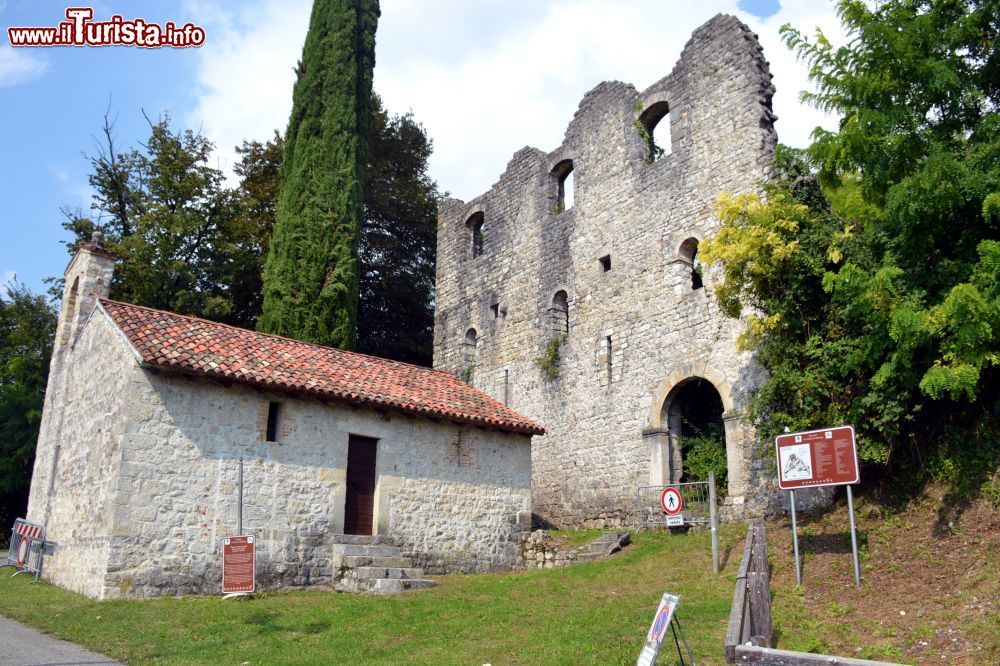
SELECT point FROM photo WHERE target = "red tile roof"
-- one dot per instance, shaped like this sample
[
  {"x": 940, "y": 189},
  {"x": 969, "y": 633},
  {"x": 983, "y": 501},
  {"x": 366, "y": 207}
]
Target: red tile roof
[{"x": 199, "y": 347}]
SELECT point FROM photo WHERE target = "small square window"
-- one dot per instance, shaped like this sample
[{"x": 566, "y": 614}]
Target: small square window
[
  {"x": 606, "y": 262},
  {"x": 495, "y": 309}
]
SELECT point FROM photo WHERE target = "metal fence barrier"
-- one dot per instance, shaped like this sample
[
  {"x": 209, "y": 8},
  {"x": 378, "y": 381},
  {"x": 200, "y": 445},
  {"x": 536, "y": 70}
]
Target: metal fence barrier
[
  {"x": 26, "y": 542},
  {"x": 699, "y": 507}
]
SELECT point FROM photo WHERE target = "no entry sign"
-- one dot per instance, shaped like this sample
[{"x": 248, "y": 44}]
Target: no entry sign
[
  {"x": 657, "y": 630},
  {"x": 817, "y": 458},
  {"x": 237, "y": 564},
  {"x": 671, "y": 501}
]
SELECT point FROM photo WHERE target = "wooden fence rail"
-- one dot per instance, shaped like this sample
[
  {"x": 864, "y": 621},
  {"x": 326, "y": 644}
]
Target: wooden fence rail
[
  {"x": 750, "y": 617},
  {"x": 748, "y": 638}
]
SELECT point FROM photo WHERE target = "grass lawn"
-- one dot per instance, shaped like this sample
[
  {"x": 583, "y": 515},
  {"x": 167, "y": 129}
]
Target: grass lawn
[
  {"x": 596, "y": 613},
  {"x": 931, "y": 595}
]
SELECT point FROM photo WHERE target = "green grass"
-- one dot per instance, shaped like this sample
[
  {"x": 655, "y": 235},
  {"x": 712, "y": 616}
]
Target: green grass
[
  {"x": 574, "y": 538},
  {"x": 596, "y": 613}
]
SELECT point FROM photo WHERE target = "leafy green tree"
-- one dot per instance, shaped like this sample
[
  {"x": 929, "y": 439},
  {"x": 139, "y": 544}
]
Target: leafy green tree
[
  {"x": 27, "y": 331},
  {"x": 185, "y": 242},
  {"x": 887, "y": 315},
  {"x": 398, "y": 242},
  {"x": 311, "y": 276}
]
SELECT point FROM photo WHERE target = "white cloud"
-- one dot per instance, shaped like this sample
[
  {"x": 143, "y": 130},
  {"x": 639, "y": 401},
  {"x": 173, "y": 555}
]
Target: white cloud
[
  {"x": 19, "y": 65},
  {"x": 78, "y": 192},
  {"x": 484, "y": 78},
  {"x": 245, "y": 74}
]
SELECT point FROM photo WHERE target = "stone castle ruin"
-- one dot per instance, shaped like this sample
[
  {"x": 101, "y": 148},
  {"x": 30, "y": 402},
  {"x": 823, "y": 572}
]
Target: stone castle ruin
[{"x": 571, "y": 290}]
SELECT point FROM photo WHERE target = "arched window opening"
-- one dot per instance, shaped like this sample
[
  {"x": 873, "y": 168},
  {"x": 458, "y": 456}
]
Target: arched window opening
[
  {"x": 563, "y": 173},
  {"x": 559, "y": 314},
  {"x": 656, "y": 133},
  {"x": 697, "y": 434},
  {"x": 470, "y": 349},
  {"x": 69, "y": 311},
  {"x": 688, "y": 253},
  {"x": 475, "y": 224}
]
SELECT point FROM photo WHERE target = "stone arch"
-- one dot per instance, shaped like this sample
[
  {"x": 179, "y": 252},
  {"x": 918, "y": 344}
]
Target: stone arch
[
  {"x": 559, "y": 313},
  {"x": 662, "y": 435},
  {"x": 658, "y": 135},
  {"x": 562, "y": 174},
  {"x": 684, "y": 270},
  {"x": 476, "y": 223}
]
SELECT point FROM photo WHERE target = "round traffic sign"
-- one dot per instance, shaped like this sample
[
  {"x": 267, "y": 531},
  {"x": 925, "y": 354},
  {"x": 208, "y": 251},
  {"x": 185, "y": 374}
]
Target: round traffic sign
[
  {"x": 671, "y": 501},
  {"x": 660, "y": 624},
  {"x": 22, "y": 552}
]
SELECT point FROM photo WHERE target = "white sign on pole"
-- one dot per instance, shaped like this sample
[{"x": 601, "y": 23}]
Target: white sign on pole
[{"x": 658, "y": 630}]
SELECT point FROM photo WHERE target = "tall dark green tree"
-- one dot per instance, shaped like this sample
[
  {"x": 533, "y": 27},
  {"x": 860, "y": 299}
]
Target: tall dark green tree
[
  {"x": 398, "y": 242},
  {"x": 311, "y": 277},
  {"x": 884, "y": 311},
  {"x": 27, "y": 331}
]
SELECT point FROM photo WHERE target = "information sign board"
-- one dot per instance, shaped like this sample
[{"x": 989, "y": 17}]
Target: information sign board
[
  {"x": 827, "y": 457},
  {"x": 238, "y": 564},
  {"x": 657, "y": 630}
]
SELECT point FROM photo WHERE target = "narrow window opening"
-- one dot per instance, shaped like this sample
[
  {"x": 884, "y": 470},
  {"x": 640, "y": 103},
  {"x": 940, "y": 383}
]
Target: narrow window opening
[
  {"x": 688, "y": 253},
  {"x": 476, "y": 226},
  {"x": 559, "y": 314},
  {"x": 470, "y": 347},
  {"x": 654, "y": 125},
  {"x": 273, "y": 413},
  {"x": 563, "y": 174},
  {"x": 495, "y": 309},
  {"x": 608, "y": 350},
  {"x": 606, "y": 262}
]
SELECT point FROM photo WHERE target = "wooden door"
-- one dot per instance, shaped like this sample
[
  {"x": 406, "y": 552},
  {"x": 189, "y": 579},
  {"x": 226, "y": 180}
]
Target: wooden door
[{"x": 360, "y": 504}]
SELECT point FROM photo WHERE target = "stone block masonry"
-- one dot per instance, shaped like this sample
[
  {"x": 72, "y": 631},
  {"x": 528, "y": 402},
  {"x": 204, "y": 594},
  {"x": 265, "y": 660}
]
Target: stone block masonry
[{"x": 617, "y": 274}]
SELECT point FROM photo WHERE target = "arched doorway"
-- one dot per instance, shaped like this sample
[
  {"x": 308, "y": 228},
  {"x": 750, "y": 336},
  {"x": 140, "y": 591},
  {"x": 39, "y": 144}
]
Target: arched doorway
[
  {"x": 687, "y": 434},
  {"x": 693, "y": 414}
]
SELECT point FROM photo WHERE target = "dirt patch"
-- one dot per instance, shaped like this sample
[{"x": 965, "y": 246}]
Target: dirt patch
[{"x": 930, "y": 582}]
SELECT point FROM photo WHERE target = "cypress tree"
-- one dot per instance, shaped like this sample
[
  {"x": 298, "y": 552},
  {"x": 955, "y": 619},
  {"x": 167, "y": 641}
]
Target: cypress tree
[{"x": 311, "y": 275}]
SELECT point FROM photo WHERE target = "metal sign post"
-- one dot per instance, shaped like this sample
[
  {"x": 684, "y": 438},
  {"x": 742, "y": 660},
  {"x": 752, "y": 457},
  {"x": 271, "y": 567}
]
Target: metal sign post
[
  {"x": 795, "y": 540},
  {"x": 681, "y": 505},
  {"x": 239, "y": 503},
  {"x": 814, "y": 459}
]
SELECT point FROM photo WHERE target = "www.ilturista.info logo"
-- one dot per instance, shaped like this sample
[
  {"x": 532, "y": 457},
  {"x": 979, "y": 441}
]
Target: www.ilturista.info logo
[{"x": 80, "y": 30}]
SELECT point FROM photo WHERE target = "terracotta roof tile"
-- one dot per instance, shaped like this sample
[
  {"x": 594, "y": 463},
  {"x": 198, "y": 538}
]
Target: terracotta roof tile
[{"x": 196, "y": 346}]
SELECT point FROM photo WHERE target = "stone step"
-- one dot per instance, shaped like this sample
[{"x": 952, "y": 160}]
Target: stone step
[
  {"x": 353, "y": 561},
  {"x": 362, "y": 539},
  {"x": 397, "y": 585},
  {"x": 366, "y": 550},
  {"x": 372, "y": 573}
]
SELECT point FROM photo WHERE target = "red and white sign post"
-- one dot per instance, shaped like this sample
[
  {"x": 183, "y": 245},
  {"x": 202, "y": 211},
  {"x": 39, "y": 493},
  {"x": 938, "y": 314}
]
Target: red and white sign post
[{"x": 817, "y": 458}]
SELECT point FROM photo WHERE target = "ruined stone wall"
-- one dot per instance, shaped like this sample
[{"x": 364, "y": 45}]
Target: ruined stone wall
[
  {"x": 605, "y": 411},
  {"x": 147, "y": 478}
]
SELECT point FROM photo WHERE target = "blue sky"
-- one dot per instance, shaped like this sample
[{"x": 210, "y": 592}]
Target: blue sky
[{"x": 485, "y": 78}]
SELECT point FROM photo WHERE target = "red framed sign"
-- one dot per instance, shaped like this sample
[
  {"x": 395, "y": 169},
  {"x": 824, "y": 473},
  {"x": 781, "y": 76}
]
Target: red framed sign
[
  {"x": 238, "y": 564},
  {"x": 827, "y": 457}
]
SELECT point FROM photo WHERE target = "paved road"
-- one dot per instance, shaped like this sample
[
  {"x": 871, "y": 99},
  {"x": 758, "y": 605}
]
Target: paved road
[{"x": 21, "y": 645}]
